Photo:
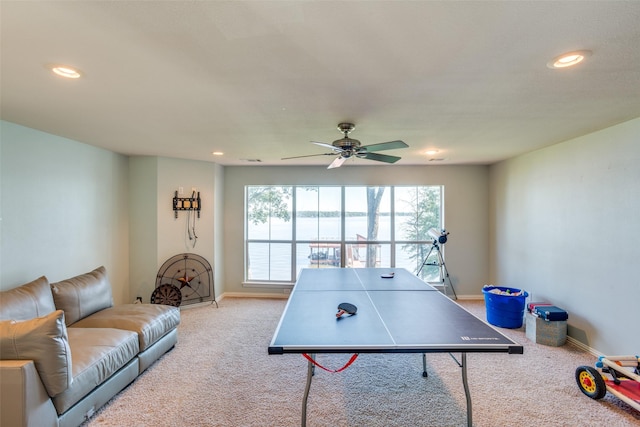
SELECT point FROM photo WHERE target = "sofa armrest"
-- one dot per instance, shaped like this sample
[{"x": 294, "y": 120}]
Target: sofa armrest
[{"x": 23, "y": 400}]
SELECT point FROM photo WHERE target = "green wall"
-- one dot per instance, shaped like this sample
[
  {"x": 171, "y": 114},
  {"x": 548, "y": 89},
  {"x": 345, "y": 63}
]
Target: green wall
[
  {"x": 560, "y": 222},
  {"x": 466, "y": 212},
  {"x": 565, "y": 227},
  {"x": 64, "y": 209}
]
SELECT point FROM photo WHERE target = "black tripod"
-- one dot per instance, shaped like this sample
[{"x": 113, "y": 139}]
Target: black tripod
[{"x": 438, "y": 262}]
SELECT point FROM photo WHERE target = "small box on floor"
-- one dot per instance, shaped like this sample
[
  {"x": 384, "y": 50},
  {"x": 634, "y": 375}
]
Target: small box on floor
[
  {"x": 531, "y": 307},
  {"x": 546, "y": 332},
  {"x": 551, "y": 312}
]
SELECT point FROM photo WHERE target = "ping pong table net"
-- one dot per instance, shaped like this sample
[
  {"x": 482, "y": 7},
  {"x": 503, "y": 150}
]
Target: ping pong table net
[{"x": 312, "y": 360}]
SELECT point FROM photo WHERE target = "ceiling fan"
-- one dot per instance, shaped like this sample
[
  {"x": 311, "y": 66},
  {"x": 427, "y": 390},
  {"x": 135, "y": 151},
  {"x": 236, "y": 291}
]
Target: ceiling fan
[{"x": 346, "y": 148}]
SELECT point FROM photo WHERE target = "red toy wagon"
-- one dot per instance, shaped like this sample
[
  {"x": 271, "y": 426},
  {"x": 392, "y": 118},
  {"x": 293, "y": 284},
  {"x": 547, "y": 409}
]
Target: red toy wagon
[{"x": 619, "y": 375}]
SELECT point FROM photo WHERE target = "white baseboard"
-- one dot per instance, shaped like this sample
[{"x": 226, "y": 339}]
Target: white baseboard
[
  {"x": 471, "y": 297},
  {"x": 284, "y": 295},
  {"x": 574, "y": 342},
  {"x": 271, "y": 295}
]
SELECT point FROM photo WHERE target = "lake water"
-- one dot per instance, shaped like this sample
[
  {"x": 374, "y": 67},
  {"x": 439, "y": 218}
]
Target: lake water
[{"x": 272, "y": 261}]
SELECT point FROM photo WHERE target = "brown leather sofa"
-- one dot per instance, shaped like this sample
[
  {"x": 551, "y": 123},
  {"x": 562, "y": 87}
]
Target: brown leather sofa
[{"x": 65, "y": 349}]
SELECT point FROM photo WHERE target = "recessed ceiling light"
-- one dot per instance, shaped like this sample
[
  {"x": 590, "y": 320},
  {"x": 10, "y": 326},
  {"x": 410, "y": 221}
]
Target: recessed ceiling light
[
  {"x": 65, "y": 71},
  {"x": 217, "y": 153},
  {"x": 569, "y": 59},
  {"x": 431, "y": 152}
]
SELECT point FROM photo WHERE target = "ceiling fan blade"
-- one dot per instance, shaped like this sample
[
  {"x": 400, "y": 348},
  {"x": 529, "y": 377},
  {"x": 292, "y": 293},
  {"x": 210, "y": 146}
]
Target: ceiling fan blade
[
  {"x": 308, "y": 155},
  {"x": 337, "y": 162},
  {"x": 324, "y": 144},
  {"x": 380, "y": 157},
  {"x": 391, "y": 145}
]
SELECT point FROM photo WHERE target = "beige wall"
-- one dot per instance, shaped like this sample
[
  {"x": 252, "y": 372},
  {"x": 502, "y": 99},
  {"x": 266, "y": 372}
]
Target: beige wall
[
  {"x": 564, "y": 226},
  {"x": 466, "y": 212}
]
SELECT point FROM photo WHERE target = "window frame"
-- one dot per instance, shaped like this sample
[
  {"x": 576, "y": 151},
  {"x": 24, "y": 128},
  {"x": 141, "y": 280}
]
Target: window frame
[{"x": 294, "y": 242}]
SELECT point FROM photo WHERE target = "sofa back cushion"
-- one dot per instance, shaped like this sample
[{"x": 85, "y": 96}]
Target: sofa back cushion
[
  {"x": 83, "y": 295},
  {"x": 25, "y": 302},
  {"x": 43, "y": 340}
]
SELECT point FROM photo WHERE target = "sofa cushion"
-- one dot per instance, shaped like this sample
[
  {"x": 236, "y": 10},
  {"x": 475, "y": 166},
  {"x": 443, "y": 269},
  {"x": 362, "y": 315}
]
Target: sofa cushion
[
  {"x": 150, "y": 321},
  {"x": 97, "y": 353},
  {"x": 43, "y": 340},
  {"x": 83, "y": 295},
  {"x": 28, "y": 301}
]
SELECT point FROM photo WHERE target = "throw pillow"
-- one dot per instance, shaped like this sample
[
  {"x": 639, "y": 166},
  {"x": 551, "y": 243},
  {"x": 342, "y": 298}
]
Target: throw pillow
[{"x": 43, "y": 340}]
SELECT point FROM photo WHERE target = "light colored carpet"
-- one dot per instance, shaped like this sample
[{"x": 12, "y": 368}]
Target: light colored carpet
[{"x": 220, "y": 374}]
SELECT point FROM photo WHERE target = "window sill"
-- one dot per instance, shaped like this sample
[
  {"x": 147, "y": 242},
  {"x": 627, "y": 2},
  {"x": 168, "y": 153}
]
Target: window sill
[{"x": 275, "y": 285}]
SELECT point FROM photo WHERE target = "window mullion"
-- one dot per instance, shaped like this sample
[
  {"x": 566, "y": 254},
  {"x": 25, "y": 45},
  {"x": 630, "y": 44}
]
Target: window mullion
[
  {"x": 392, "y": 224},
  {"x": 343, "y": 246},
  {"x": 294, "y": 238}
]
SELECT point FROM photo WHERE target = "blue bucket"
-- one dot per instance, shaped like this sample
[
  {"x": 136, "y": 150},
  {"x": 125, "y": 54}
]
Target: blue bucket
[{"x": 505, "y": 311}]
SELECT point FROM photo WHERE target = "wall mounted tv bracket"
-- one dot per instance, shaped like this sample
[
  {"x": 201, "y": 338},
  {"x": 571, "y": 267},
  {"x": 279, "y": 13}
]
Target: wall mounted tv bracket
[{"x": 186, "y": 203}]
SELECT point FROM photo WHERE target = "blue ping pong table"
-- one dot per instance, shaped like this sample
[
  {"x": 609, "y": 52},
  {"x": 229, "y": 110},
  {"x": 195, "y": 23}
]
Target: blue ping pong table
[{"x": 398, "y": 314}]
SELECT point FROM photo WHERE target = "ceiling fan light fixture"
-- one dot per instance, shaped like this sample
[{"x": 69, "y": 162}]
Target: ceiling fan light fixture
[
  {"x": 431, "y": 152},
  {"x": 346, "y": 128},
  {"x": 569, "y": 59},
  {"x": 66, "y": 71}
]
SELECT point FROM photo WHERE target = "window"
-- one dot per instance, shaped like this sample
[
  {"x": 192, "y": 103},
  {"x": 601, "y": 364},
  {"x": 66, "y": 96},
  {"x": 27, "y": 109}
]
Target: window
[{"x": 293, "y": 227}]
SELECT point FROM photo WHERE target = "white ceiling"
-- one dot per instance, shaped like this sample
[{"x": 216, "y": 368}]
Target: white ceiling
[{"x": 260, "y": 80}]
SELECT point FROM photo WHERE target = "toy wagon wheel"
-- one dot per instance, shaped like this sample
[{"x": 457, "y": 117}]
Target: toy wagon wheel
[
  {"x": 167, "y": 295},
  {"x": 590, "y": 382}
]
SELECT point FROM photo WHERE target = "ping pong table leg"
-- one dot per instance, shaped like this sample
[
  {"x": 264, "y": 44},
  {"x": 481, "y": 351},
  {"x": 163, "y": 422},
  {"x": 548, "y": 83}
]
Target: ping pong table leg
[
  {"x": 424, "y": 365},
  {"x": 465, "y": 383},
  {"x": 467, "y": 394},
  {"x": 310, "y": 372}
]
